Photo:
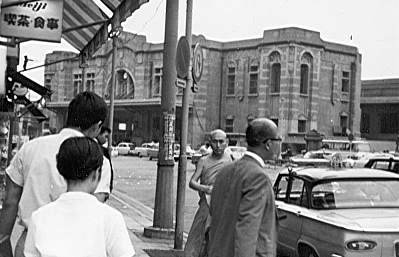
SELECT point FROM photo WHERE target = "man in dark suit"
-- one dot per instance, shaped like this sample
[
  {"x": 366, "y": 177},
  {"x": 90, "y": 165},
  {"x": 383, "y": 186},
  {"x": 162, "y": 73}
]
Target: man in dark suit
[{"x": 242, "y": 203}]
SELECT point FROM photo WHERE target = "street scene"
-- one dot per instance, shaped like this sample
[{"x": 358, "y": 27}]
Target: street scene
[{"x": 168, "y": 128}]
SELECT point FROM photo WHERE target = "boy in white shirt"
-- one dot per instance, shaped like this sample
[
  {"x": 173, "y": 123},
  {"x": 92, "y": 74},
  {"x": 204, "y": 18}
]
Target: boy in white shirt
[{"x": 77, "y": 224}]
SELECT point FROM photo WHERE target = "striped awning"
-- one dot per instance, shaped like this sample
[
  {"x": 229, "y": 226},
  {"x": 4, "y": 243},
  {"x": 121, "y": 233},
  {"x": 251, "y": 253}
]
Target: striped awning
[{"x": 86, "y": 25}]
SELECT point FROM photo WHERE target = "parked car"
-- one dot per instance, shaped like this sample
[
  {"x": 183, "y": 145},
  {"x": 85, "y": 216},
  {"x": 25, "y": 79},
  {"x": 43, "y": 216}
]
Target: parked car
[
  {"x": 189, "y": 152},
  {"x": 114, "y": 151},
  {"x": 153, "y": 151},
  {"x": 313, "y": 158},
  {"x": 142, "y": 151},
  {"x": 337, "y": 212},
  {"x": 124, "y": 148},
  {"x": 384, "y": 163},
  {"x": 236, "y": 151}
]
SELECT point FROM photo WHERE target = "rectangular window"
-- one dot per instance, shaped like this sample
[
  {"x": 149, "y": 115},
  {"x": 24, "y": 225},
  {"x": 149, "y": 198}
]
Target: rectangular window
[
  {"x": 77, "y": 83},
  {"x": 301, "y": 126},
  {"x": 345, "y": 81},
  {"x": 90, "y": 82},
  {"x": 344, "y": 124},
  {"x": 157, "y": 82},
  {"x": 253, "y": 79},
  {"x": 275, "y": 78},
  {"x": 229, "y": 125},
  {"x": 304, "y": 79},
  {"x": 231, "y": 80}
]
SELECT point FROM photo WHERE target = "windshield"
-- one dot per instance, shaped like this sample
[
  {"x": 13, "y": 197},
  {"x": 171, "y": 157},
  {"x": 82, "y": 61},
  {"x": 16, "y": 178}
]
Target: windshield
[
  {"x": 346, "y": 146},
  {"x": 355, "y": 194}
]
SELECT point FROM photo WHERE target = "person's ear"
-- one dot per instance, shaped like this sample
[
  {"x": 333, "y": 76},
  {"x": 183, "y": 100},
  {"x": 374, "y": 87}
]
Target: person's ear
[{"x": 268, "y": 145}]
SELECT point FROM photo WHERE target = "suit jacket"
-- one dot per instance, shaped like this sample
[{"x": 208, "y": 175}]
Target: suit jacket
[{"x": 243, "y": 212}]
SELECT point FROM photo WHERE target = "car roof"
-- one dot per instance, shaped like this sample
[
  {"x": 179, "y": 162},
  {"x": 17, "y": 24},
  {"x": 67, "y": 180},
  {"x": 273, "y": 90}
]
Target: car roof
[{"x": 316, "y": 174}]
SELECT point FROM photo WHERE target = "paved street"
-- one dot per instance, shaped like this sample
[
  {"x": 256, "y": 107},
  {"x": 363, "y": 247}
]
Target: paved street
[{"x": 136, "y": 177}]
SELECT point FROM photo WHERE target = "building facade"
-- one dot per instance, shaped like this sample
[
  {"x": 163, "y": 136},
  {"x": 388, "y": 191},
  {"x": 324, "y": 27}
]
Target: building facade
[
  {"x": 290, "y": 75},
  {"x": 380, "y": 109}
]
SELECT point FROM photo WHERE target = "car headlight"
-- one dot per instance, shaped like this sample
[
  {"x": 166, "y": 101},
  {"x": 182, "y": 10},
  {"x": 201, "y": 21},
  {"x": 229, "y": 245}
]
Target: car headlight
[{"x": 361, "y": 245}]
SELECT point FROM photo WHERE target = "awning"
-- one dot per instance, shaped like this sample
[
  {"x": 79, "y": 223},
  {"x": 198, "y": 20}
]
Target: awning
[{"x": 85, "y": 25}]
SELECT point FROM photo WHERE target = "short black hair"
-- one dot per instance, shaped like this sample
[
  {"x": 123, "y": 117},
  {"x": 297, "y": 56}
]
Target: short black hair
[
  {"x": 85, "y": 110},
  {"x": 105, "y": 129},
  {"x": 78, "y": 157}
]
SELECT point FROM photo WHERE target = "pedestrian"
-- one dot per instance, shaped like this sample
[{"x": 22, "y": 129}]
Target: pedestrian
[
  {"x": 102, "y": 139},
  {"x": 242, "y": 205},
  {"x": 77, "y": 224},
  {"x": 32, "y": 179},
  {"x": 207, "y": 168}
]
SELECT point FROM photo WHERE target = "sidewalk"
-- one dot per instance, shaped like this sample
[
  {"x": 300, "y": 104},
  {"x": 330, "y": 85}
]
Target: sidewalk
[{"x": 137, "y": 217}]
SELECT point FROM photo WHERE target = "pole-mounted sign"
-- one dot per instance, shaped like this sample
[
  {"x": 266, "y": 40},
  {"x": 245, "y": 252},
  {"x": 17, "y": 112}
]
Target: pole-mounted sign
[
  {"x": 182, "y": 58},
  {"x": 198, "y": 66}
]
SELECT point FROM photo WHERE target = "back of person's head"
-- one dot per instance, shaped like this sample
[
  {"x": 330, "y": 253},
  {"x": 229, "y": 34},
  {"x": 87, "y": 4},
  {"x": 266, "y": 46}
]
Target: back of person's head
[
  {"x": 85, "y": 110},
  {"x": 78, "y": 158},
  {"x": 259, "y": 130}
]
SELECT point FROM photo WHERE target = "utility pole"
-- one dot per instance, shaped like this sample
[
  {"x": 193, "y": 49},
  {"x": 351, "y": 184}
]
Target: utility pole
[
  {"x": 163, "y": 211},
  {"x": 182, "y": 169}
]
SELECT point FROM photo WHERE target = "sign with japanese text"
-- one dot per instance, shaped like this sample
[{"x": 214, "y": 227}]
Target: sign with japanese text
[
  {"x": 38, "y": 20},
  {"x": 169, "y": 135}
]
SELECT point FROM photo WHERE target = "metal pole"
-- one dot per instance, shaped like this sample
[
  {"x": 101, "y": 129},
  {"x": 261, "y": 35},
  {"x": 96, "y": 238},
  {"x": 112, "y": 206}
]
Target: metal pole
[
  {"x": 181, "y": 175},
  {"x": 112, "y": 90},
  {"x": 163, "y": 210}
]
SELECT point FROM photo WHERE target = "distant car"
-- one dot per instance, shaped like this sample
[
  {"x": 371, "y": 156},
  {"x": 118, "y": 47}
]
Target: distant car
[
  {"x": 313, "y": 158},
  {"x": 236, "y": 151},
  {"x": 124, "y": 148},
  {"x": 337, "y": 212},
  {"x": 153, "y": 151},
  {"x": 384, "y": 163},
  {"x": 142, "y": 151},
  {"x": 114, "y": 151},
  {"x": 189, "y": 152}
]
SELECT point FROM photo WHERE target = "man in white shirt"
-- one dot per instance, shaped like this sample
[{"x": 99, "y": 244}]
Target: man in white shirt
[
  {"x": 32, "y": 179},
  {"x": 76, "y": 224}
]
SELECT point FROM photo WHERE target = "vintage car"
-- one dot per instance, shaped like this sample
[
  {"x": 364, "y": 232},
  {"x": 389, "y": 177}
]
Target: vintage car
[
  {"x": 313, "y": 158},
  {"x": 142, "y": 151},
  {"x": 336, "y": 212},
  {"x": 384, "y": 163},
  {"x": 124, "y": 148}
]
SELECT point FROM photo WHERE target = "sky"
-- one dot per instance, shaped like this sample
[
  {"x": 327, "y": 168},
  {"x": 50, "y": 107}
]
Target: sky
[{"x": 369, "y": 25}]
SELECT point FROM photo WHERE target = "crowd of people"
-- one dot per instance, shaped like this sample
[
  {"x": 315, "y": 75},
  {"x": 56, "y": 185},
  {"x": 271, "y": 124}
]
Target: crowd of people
[{"x": 57, "y": 186}]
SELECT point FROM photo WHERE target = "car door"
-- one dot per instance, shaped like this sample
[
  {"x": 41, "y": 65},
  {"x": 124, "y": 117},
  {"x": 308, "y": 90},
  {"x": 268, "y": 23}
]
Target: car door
[{"x": 291, "y": 201}]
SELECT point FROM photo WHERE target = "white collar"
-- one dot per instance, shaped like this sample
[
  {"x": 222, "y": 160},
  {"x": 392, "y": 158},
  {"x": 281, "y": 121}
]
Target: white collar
[
  {"x": 72, "y": 132},
  {"x": 256, "y": 157}
]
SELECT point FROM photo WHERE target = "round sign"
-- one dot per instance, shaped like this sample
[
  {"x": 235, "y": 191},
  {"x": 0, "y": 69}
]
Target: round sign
[
  {"x": 182, "y": 58},
  {"x": 198, "y": 63}
]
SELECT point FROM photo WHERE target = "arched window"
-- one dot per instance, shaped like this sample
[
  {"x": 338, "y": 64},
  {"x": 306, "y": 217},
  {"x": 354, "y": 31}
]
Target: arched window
[
  {"x": 306, "y": 76},
  {"x": 275, "y": 60},
  {"x": 304, "y": 79},
  {"x": 275, "y": 79},
  {"x": 124, "y": 86},
  {"x": 253, "y": 78},
  {"x": 231, "y": 78}
]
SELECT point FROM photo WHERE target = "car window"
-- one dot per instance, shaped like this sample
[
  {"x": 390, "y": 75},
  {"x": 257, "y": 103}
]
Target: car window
[
  {"x": 281, "y": 188},
  {"x": 297, "y": 194},
  {"x": 382, "y": 165},
  {"x": 356, "y": 194}
]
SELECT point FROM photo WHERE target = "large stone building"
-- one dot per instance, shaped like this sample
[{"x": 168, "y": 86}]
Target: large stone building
[
  {"x": 290, "y": 75},
  {"x": 380, "y": 109}
]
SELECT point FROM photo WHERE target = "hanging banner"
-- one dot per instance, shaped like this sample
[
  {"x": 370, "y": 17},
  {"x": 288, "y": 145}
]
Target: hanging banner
[{"x": 38, "y": 20}]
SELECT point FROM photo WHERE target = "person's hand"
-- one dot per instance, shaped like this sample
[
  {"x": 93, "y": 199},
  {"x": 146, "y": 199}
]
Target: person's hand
[{"x": 209, "y": 190}]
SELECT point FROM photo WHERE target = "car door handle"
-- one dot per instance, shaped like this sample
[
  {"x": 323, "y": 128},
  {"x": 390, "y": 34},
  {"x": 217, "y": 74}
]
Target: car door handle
[{"x": 281, "y": 217}]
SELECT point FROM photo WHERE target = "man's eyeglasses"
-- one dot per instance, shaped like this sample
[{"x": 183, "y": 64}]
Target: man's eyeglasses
[{"x": 279, "y": 139}]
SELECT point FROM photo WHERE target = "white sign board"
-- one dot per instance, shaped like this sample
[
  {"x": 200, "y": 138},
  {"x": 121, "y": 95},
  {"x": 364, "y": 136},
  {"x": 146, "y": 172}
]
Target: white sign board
[
  {"x": 39, "y": 20},
  {"x": 3, "y": 66}
]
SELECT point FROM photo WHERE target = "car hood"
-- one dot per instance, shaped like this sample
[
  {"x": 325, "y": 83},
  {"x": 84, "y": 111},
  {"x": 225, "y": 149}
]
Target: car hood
[{"x": 373, "y": 220}]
